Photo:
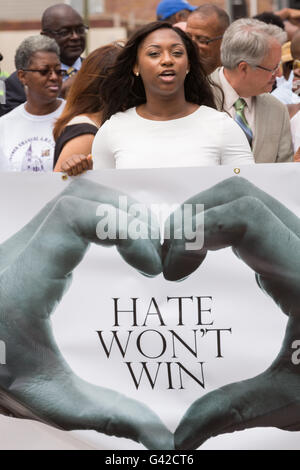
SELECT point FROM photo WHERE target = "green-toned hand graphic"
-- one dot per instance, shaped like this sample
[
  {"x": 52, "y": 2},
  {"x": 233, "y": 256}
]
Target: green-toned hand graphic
[
  {"x": 36, "y": 267},
  {"x": 265, "y": 235}
]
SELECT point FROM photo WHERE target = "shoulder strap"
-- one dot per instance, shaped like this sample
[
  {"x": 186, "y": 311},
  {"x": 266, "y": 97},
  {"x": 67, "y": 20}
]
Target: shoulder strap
[{"x": 81, "y": 119}]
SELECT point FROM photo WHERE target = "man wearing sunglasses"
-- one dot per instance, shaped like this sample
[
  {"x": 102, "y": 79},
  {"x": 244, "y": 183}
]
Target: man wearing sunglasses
[
  {"x": 206, "y": 27},
  {"x": 251, "y": 54},
  {"x": 62, "y": 23}
]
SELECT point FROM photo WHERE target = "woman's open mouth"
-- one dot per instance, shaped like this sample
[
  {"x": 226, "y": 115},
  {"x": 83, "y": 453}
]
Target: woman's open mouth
[{"x": 167, "y": 76}]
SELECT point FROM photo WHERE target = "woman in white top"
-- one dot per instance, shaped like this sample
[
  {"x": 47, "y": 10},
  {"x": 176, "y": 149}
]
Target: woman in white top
[
  {"x": 160, "y": 110},
  {"x": 27, "y": 142}
]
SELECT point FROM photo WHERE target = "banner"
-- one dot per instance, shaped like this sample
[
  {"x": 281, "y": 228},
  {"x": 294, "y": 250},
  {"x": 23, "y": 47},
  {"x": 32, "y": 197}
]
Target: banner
[{"x": 139, "y": 308}]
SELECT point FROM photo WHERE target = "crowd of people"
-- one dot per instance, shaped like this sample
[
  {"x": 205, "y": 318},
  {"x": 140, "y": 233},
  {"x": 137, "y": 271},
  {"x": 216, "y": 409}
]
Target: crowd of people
[{"x": 189, "y": 89}]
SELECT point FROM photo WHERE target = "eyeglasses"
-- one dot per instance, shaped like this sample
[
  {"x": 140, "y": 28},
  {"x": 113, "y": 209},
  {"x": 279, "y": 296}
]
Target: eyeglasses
[
  {"x": 67, "y": 32},
  {"x": 44, "y": 72},
  {"x": 206, "y": 41},
  {"x": 273, "y": 71}
]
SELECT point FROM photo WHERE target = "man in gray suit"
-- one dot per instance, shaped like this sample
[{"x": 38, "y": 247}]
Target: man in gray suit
[{"x": 250, "y": 54}]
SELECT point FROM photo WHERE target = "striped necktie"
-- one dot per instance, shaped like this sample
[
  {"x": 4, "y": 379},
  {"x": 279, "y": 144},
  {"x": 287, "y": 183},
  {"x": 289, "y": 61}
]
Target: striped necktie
[
  {"x": 240, "y": 118},
  {"x": 71, "y": 71}
]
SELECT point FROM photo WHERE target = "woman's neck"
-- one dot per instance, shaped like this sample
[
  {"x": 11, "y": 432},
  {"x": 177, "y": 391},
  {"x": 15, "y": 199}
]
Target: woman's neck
[
  {"x": 165, "y": 109},
  {"x": 39, "y": 109}
]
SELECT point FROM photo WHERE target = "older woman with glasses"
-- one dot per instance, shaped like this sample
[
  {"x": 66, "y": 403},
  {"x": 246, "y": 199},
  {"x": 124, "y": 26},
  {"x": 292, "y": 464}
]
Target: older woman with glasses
[{"x": 27, "y": 142}]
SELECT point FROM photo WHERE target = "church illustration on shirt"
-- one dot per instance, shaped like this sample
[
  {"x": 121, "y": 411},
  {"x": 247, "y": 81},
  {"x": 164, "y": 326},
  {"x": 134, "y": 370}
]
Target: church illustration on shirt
[{"x": 33, "y": 162}]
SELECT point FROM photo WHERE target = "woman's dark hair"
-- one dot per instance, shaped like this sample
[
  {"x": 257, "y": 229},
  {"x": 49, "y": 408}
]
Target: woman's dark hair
[
  {"x": 270, "y": 18},
  {"x": 123, "y": 90},
  {"x": 85, "y": 96}
]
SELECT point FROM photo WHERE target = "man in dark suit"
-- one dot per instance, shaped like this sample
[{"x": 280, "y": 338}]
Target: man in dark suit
[{"x": 62, "y": 23}]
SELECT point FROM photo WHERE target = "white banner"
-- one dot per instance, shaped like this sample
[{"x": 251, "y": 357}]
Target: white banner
[{"x": 117, "y": 352}]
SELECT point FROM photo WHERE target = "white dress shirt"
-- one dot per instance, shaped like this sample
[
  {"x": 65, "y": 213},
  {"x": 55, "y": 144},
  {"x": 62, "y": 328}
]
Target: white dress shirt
[
  {"x": 76, "y": 66},
  {"x": 230, "y": 98}
]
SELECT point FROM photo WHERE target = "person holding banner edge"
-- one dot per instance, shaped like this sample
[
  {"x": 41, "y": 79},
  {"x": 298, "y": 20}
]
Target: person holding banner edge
[
  {"x": 159, "y": 89},
  {"x": 74, "y": 131},
  {"x": 160, "y": 110}
]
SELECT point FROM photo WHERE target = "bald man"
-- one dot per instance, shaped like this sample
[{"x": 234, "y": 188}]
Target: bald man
[
  {"x": 206, "y": 26},
  {"x": 64, "y": 24}
]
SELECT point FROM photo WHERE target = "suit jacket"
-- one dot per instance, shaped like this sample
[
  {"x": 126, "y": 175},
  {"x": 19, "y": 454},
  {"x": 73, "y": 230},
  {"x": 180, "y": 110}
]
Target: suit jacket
[
  {"x": 15, "y": 93},
  {"x": 272, "y": 134}
]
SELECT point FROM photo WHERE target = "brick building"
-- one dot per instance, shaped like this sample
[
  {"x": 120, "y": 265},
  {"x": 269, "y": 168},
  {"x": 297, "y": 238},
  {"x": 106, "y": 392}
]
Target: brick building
[
  {"x": 108, "y": 19},
  {"x": 145, "y": 9},
  {"x": 126, "y": 10}
]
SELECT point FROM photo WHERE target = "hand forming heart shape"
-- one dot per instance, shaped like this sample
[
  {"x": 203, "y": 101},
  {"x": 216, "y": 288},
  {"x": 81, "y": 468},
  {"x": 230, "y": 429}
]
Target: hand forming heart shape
[
  {"x": 36, "y": 266},
  {"x": 37, "y": 382},
  {"x": 265, "y": 235}
]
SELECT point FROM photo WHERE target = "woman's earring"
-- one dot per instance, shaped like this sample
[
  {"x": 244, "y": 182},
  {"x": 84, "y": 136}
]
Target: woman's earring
[
  {"x": 137, "y": 74},
  {"x": 187, "y": 72}
]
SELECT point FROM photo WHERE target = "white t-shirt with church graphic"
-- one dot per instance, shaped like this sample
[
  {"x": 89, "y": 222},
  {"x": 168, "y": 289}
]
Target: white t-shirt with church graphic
[{"x": 26, "y": 140}]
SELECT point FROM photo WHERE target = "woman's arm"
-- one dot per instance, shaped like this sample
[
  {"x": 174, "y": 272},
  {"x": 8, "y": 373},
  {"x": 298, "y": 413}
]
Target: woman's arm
[
  {"x": 81, "y": 145},
  {"x": 296, "y": 157},
  {"x": 77, "y": 164}
]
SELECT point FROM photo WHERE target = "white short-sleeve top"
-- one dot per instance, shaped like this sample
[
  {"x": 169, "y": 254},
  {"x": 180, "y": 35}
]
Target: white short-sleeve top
[{"x": 204, "y": 137}]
